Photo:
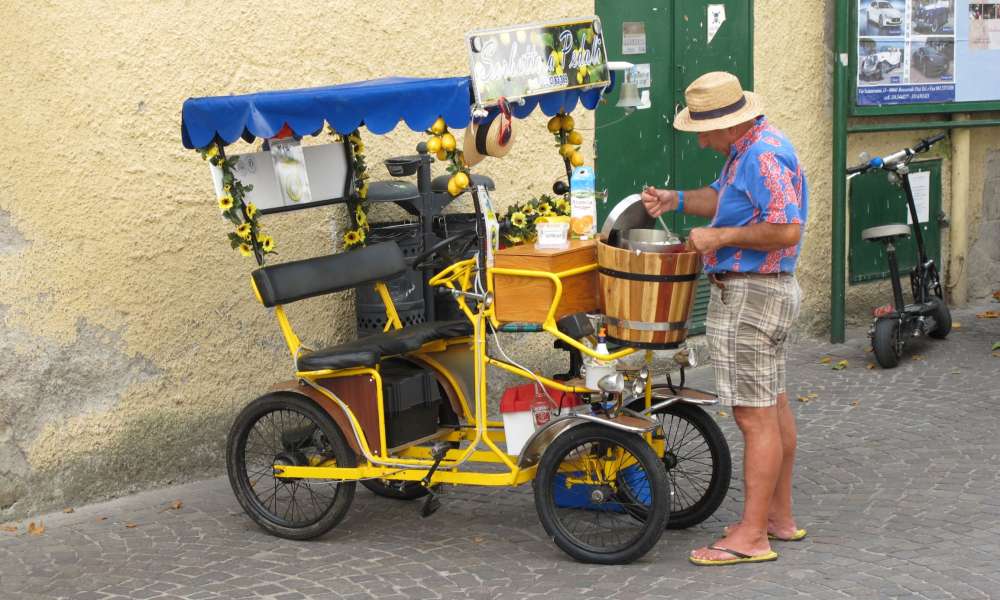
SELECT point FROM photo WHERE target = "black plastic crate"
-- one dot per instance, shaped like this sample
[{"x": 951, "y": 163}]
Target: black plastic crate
[{"x": 411, "y": 400}]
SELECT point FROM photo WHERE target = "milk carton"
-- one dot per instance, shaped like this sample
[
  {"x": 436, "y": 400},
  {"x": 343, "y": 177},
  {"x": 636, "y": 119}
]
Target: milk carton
[{"x": 583, "y": 204}]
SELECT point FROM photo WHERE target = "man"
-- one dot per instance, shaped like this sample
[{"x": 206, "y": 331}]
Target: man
[{"x": 758, "y": 210}]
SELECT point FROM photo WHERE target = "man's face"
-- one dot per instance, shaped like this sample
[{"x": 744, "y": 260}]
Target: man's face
[{"x": 718, "y": 140}]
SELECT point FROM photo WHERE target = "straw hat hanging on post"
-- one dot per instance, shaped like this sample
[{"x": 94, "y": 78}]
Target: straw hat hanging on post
[
  {"x": 493, "y": 136},
  {"x": 716, "y": 101}
]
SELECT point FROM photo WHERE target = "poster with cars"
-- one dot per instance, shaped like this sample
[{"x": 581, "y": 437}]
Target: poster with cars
[{"x": 927, "y": 51}]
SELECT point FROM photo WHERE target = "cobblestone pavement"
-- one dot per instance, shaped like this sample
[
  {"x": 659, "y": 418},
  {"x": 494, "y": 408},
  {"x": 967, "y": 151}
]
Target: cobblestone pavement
[{"x": 897, "y": 483}]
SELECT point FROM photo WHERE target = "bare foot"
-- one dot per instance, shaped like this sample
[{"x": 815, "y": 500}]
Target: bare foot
[
  {"x": 782, "y": 531},
  {"x": 737, "y": 538}
]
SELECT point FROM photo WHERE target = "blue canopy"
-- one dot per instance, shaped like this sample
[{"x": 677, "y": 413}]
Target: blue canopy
[{"x": 378, "y": 104}]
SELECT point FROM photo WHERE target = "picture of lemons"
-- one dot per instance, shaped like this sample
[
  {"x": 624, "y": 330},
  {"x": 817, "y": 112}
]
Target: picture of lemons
[
  {"x": 567, "y": 123},
  {"x": 522, "y": 35},
  {"x": 448, "y": 142},
  {"x": 461, "y": 180},
  {"x": 567, "y": 150},
  {"x": 576, "y": 159},
  {"x": 574, "y": 138},
  {"x": 581, "y": 225},
  {"x": 555, "y": 124},
  {"x": 581, "y": 75},
  {"x": 442, "y": 155},
  {"x": 439, "y": 126}
]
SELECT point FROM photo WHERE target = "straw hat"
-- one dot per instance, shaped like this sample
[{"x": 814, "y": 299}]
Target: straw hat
[
  {"x": 493, "y": 136},
  {"x": 716, "y": 100}
]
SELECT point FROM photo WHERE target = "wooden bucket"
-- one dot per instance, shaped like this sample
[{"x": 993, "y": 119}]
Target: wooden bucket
[{"x": 646, "y": 297}]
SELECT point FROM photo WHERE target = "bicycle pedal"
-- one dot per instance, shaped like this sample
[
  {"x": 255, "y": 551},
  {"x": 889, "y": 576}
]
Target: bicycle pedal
[{"x": 430, "y": 506}]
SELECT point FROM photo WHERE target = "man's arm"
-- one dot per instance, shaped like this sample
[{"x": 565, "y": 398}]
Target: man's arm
[
  {"x": 759, "y": 236},
  {"x": 701, "y": 202}
]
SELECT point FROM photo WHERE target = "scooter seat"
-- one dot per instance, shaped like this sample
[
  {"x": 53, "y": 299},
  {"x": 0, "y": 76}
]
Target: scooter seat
[
  {"x": 368, "y": 351},
  {"x": 886, "y": 232}
]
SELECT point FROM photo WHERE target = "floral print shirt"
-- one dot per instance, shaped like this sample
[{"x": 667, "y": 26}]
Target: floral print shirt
[{"x": 761, "y": 182}]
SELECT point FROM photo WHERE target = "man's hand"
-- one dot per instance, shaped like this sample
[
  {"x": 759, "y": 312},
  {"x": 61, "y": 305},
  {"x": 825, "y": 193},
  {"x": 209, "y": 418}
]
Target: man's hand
[
  {"x": 706, "y": 239},
  {"x": 658, "y": 202}
]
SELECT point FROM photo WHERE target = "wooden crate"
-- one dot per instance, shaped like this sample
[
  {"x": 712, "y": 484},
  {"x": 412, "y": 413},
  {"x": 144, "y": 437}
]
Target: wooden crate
[{"x": 527, "y": 299}]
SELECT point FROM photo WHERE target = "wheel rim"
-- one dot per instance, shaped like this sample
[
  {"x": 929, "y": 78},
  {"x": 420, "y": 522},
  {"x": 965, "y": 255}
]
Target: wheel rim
[
  {"x": 599, "y": 493},
  {"x": 286, "y": 437},
  {"x": 689, "y": 462}
]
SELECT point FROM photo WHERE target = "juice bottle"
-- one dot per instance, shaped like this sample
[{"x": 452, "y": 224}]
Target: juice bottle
[{"x": 583, "y": 204}]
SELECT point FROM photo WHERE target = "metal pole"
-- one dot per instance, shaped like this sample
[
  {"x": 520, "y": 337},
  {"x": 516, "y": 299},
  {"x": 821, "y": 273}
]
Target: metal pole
[{"x": 839, "y": 200}]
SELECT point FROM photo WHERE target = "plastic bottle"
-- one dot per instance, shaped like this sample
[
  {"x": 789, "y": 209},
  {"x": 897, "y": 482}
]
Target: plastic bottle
[{"x": 541, "y": 410}]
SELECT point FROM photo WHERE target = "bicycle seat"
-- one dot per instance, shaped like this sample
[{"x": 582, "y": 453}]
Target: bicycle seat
[
  {"x": 368, "y": 351},
  {"x": 886, "y": 232}
]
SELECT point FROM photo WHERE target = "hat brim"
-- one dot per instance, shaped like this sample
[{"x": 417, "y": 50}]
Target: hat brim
[
  {"x": 751, "y": 110},
  {"x": 471, "y": 154}
]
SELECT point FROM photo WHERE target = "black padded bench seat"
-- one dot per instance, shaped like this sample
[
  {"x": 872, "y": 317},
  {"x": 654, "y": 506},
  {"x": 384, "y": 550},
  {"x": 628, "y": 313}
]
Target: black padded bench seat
[{"x": 367, "y": 351}]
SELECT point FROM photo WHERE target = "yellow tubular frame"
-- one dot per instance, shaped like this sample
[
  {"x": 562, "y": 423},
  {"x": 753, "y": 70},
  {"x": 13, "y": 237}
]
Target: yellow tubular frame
[{"x": 412, "y": 463}]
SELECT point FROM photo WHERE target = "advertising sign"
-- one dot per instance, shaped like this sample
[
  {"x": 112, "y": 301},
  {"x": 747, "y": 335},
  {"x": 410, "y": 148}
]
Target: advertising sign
[
  {"x": 525, "y": 60},
  {"x": 927, "y": 52}
]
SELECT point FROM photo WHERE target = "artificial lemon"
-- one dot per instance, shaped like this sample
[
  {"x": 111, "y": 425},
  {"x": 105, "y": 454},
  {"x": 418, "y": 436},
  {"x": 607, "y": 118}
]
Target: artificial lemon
[
  {"x": 567, "y": 150},
  {"x": 439, "y": 126},
  {"x": 461, "y": 180},
  {"x": 574, "y": 138},
  {"x": 453, "y": 189},
  {"x": 576, "y": 159},
  {"x": 567, "y": 123},
  {"x": 448, "y": 142},
  {"x": 555, "y": 124},
  {"x": 442, "y": 155},
  {"x": 434, "y": 144}
]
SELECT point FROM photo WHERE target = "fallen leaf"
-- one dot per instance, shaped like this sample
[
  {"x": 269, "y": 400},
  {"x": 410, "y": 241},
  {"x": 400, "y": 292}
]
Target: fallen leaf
[
  {"x": 956, "y": 325},
  {"x": 956, "y": 372},
  {"x": 996, "y": 354},
  {"x": 840, "y": 365},
  {"x": 996, "y": 295},
  {"x": 9, "y": 529},
  {"x": 989, "y": 314},
  {"x": 130, "y": 525},
  {"x": 803, "y": 399},
  {"x": 812, "y": 396},
  {"x": 917, "y": 357},
  {"x": 870, "y": 366},
  {"x": 825, "y": 360},
  {"x": 176, "y": 505},
  {"x": 722, "y": 413},
  {"x": 478, "y": 540},
  {"x": 855, "y": 402},
  {"x": 36, "y": 529},
  {"x": 68, "y": 510},
  {"x": 99, "y": 519}
]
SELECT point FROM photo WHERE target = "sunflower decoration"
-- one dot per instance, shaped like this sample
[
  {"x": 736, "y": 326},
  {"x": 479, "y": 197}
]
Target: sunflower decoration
[
  {"x": 567, "y": 139},
  {"x": 518, "y": 226},
  {"x": 358, "y": 202},
  {"x": 246, "y": 234},
  {"x": 443, "y": 145}
]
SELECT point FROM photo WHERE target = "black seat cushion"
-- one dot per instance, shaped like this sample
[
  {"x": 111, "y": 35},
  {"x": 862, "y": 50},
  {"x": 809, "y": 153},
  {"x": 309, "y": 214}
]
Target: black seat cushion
[{"x": 367, "y": 351}]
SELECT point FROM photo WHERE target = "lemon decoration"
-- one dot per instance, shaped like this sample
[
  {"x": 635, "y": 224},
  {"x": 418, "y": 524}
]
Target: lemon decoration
[
  {"x": 461, "y": 180},
  {"x": 434, "y": 144},
  {"x": 567, "y": 150},
  {"x": 574, "y": 138},
  {"x": 555, "y": 124},
  {"x": 448, "y": 142},
  {"x": 567, "y": 123},
  {"x": 576, "y": 159},
  {"x": 453, "y": 189},
  {"x": 442, "y": 155},
  {"x": 443, "y": 145},
  {"x": 439, "y": 126}
]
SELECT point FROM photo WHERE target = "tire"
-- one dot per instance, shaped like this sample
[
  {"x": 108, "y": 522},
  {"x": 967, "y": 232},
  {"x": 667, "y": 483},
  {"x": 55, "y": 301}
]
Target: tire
[
  {"x": 397, "y": 490},
  {"x": 698, "y": 463},
  {"x": 644, "y": 477},
  {"x": 942, "y": 316},
  {"x": 885, "y": 342},
  {"x": 290, "y": 429}
]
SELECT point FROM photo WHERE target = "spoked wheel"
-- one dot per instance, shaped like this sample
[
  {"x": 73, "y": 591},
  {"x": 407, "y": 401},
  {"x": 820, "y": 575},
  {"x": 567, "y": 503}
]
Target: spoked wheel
[
  {"x": 886, "y": 342},
  {"x": 602, "y": 494},
  {"x": 699, "y": 466},
  {"x": 281, "y": 429}
]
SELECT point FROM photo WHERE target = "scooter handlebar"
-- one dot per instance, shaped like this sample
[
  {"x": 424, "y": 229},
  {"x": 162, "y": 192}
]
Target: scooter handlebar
[{"x": 894, "y": 158}]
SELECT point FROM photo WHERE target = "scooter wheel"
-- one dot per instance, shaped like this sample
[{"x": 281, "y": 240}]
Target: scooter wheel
[
  {"x": 942, "y": 318},
  {"x": 885, "y": 343}
]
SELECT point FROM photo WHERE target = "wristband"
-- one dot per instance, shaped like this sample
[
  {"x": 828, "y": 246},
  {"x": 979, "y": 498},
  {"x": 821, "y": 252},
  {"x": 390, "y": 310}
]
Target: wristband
[{"x": 680, "y": 202}]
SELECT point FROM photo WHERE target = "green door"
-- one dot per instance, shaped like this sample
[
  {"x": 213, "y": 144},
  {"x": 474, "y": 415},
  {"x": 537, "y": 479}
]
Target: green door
[{"x": 643, "y": 147}]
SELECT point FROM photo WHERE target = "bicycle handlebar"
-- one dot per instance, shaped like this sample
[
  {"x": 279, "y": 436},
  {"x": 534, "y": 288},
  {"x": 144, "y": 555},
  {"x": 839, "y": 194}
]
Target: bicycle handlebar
[{"x": 889, "y": 162}]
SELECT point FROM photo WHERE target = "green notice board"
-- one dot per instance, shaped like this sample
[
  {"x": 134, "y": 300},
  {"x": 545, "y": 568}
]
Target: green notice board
[{"x": 876, "y": 201}]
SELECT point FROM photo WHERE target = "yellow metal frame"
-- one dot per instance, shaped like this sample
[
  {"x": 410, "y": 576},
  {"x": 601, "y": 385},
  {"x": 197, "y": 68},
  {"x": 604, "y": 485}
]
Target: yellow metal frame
[{"x": 412, "y": 463}]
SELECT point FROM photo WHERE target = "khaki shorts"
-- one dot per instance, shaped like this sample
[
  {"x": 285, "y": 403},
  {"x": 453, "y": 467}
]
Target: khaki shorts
[{"x": 748, "y": 323}]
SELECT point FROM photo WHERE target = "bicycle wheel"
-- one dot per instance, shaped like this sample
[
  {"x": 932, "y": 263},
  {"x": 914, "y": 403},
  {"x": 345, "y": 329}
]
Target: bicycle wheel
[
  {"x": 699, "y": 465},
  {"x": 285, "y": 429},
  {"x": 591, "y": 483}
]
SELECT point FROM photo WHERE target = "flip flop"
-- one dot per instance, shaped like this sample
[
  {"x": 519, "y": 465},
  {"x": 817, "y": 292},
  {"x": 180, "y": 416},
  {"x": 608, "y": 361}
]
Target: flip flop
[
  {"x": 739, "y": 557},
  {"x": 799, "y": 535}
]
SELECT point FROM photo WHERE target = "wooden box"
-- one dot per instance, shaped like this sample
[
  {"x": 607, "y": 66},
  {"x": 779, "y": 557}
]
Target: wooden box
[{"x": 527, "y": 299}]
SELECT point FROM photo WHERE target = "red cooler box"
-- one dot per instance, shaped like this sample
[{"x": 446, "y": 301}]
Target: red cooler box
[{"x": 515, "y": 407}]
